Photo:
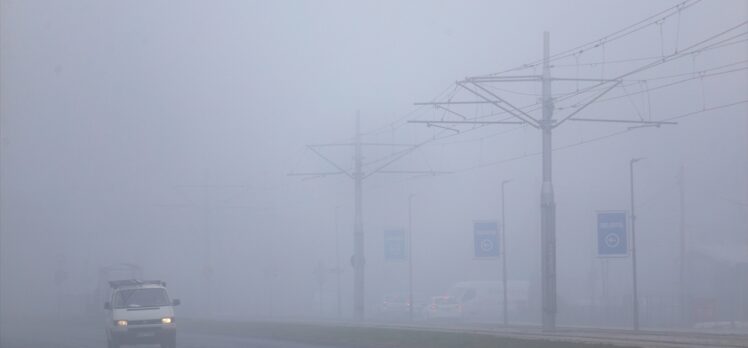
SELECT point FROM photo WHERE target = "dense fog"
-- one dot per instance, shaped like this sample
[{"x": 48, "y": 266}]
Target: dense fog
[{"x": 174, "y": 136}]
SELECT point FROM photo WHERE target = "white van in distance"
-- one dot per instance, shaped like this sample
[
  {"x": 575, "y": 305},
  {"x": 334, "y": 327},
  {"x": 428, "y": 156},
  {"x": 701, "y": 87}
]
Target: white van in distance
[
  {"x": 484, "y": 300},
  {"x": 140, "y": 312}
]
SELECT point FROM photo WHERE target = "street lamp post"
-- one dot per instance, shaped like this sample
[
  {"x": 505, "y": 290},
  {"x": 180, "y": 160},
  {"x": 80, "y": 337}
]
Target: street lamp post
[
  {"x": 337, "y": 263},
  {"x": 503, "y": 254},
  {"x": 633, "y": 245},
  {"x": 410, "y": 256}
]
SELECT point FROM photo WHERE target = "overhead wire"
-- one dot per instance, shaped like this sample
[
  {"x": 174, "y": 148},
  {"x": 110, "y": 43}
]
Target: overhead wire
[
  {"x": 647, "y": 66},
  {"x": 650, "y": 89},
  {"x": 703, "y": 71},
  {"x": 628, "y": 30},
  {"x": 644, "y": 90},
  {"x": 690, "y": 50},
  {"x": 600, "y": 62},
  {"x": 666, "y": 59},
  {"x": 693, "y": 76},
  {"x": 654, "y": 19},
  {"x": 402, "y": 120},
  {"x": 595, "y": 139},
  {"x": 653, "y": 64}
]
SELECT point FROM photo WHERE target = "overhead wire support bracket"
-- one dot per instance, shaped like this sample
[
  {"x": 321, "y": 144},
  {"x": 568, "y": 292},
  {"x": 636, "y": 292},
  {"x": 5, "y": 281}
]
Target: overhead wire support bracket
[
  {"x": 468, "y": 102},
  {"x": 509, "y": 78},
  {"x": 529, "y": 119},
  {"x": 330, "y": 145},
  {"x": 569, "y": 116},
  {"x": 429, "y": 172},
  {"x": 465, "y": 122},
  {"x": 393, "y": 160},
  {"x": 331, "y": 162},
  {"x": 314, "y": 173},
  {"x": 451, "y": 112},
  {"x": 408, "y": 148},
  {"x": 387, "y": 144},
  {"x": 584, "y": 79},
  {"x": 657, "y": 123},
  {"x": 643, "y": 126},
  {"x": 429, "y": 124}
]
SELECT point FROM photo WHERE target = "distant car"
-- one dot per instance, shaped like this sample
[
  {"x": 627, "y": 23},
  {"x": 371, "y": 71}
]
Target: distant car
[
  {"x": 443, "y": 307},
  {"x": 397, "y": 306},
  {"x": 483, "y": 300},
  {"x": 140, "y": 312}
]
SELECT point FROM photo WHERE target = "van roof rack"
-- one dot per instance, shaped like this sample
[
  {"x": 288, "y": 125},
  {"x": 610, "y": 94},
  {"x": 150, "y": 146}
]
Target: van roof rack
[{"x": 134, "y": 282}]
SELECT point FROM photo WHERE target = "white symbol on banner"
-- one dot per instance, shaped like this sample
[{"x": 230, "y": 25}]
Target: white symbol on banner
[
  {"x": 486, "y": 245},
  {"x": 612, "y": 240}
]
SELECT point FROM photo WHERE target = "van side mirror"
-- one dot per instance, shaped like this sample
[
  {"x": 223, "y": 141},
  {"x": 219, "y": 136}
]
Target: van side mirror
[
  {"x": 175, "y": 302},
  {"x": 107, "y": 305}
]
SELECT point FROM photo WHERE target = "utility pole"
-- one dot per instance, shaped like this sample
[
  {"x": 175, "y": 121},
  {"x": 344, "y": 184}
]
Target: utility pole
[
  {"x": 682, "y": 258},
  {"x": 606, "y": 312},
  {"x": 319, "y": 273},
  {"x": 503, "y": 255},
  {"x": 547, "y": 202},
  {"x": 633, "y": 246},
  {"x": 205, "y": 198},
  {"x": 410, "y": 257},
  {"x": 207, "y": 257},
  {"x": 478, "y": 86},
  {"x": 338, "y": 271},
  {"x": 358, "y": 229},
  {"x": 358, "y": 175}
]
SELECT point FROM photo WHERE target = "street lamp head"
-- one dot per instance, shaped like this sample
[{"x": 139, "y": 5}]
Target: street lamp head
[
  {"x": 506, "y": 181},
  {"x": 637, "y": 159}
]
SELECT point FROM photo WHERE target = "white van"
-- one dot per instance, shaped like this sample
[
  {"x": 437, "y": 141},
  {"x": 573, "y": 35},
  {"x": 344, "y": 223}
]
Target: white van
[
  {"x": 140, "y": 312},
  {"x": 484, "y": 300}
]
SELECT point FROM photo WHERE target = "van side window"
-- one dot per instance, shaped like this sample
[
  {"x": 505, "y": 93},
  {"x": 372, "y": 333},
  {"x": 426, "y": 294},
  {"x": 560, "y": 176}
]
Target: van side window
[{"x": 469, "y": 295}]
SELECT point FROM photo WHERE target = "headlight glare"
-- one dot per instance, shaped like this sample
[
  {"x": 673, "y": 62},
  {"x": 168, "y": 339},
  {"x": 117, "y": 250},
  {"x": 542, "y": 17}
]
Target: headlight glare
[
  {"x": 166, "y": 321},
  {"x": 121, "y": 322}
]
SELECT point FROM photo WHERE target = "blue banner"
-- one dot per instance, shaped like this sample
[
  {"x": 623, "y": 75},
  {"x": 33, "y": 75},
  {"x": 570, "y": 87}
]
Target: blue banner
[
  {"x": 394, "y": 245},
  {"x": 611, "y": 234},
  {"x": 486, "y": 238}
]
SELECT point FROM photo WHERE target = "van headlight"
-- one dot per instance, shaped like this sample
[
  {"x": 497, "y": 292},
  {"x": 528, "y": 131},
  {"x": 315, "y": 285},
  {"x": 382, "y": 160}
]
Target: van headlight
[
  {"x": 121, "y": 322},
  {"x": 166, "y": 320}
]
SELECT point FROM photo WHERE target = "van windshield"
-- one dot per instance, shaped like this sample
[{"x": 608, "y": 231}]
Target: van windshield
[{"x": 135, "y": 298}]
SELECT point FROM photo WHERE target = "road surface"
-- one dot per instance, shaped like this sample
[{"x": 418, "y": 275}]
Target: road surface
[
  {"x": 72, "y": 334},
  {"x": 80, "y": 335}
]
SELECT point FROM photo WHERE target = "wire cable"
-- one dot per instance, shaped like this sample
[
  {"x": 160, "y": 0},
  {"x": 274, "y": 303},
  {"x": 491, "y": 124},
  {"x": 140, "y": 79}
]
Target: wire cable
[{"x": 628, "y": 30}]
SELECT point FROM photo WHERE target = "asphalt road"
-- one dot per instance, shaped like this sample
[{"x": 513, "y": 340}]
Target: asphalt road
[
  {"x": 72, "y": 334},
  {"x": 82, "y": 336}
]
